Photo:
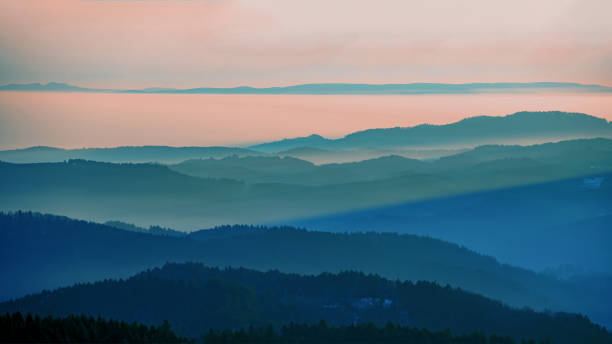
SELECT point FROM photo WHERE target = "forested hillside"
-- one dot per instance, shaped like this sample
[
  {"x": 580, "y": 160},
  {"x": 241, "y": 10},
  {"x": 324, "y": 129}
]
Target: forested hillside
[
  {"x": 360, "y": 333},
  {"x": 44, "y": 251},
  {"x": 17, "y": 328},
  {"x": 194, "y": 297}
]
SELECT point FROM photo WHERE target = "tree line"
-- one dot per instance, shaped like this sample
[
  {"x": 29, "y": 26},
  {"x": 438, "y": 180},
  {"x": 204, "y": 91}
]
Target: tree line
[
  {"x": 194, "y": 298},
  {"x": 17, "y": 328},
  {"x": 355, "y": 333}
]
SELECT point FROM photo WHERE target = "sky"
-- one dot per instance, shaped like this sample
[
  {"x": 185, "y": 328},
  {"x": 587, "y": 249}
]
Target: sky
[
  {"x": 173, "y": 43},
  {"x": 261, "y": 43},
  {"x": 75, "y": 120}
]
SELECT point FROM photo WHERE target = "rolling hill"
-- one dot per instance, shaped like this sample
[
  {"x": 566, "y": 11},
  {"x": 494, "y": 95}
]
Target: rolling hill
[
  {"x": 251, "y": 169},
  {"x": 510, "y": 165},
  {"x": 538, "y": 226},
  {"x": 420, "y": 142},
  {"x": 194, "y": 298},
  {"x": 281, "y": 189},
  {"x": 134, "y": 154},
  {"x": 45, "y": 252},
  {"x": 473, "y": 131},
  {"x": 295, "y": 171}
]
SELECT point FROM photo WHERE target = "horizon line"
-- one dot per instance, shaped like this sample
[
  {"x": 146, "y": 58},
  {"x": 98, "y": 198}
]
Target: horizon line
[
  {"x": 252, "y": 146},
  {"x": 331, "y": 88}
]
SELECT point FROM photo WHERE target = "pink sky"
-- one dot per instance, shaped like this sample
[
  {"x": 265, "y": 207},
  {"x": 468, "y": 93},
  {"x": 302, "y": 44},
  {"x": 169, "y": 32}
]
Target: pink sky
[
  {"x": 176, "y": 43},
  {"x": 74, "y": 120}
]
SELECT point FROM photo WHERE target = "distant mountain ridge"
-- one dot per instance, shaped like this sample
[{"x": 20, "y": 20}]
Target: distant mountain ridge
[
  {"x": 549, "y": 125},
  {"x": 134, "y": 154},
  {"x": 337, "y": 88},
  {"x": 275, "y": 189},
  {"x": 575, "y": 157},
  {"x": 423, "y": 141},
  {"x": 49, "y": 87}
]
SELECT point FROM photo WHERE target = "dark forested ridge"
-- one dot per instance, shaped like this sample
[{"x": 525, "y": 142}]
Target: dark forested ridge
[
  {"x": 155, "y": 230},
  {"x": 44, "y": 251},
  {"x": 536, "y": 207},
  {"x": 17, "y": 328},
  {"x": 359, "y": 333},
  {"x": 193, "y": 297}
]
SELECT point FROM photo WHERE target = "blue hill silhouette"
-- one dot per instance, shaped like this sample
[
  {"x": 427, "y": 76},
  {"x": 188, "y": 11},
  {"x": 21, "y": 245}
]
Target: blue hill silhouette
[
  {"x": 338, "y": 88},
  {"x": 520, "y": 126}
]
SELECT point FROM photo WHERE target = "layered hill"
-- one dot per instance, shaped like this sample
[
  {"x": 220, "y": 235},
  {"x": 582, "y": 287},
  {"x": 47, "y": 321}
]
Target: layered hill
[
  {"x": 44, "y": 252},
  {"x": 420, "y": 142},
  {"x": 273, "y": 189},
  {"x": 134, "y": 154},
  {"x": 523, "y": 164},
  {"x": 473, "y": 131},
  {"x": 194, "y": 298},
  {"x": 324, "y": 156},
  {"x": 255, "y": 169},
  {"x": 295, "y": 171},
  {"x": 538, "y": 226}
]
